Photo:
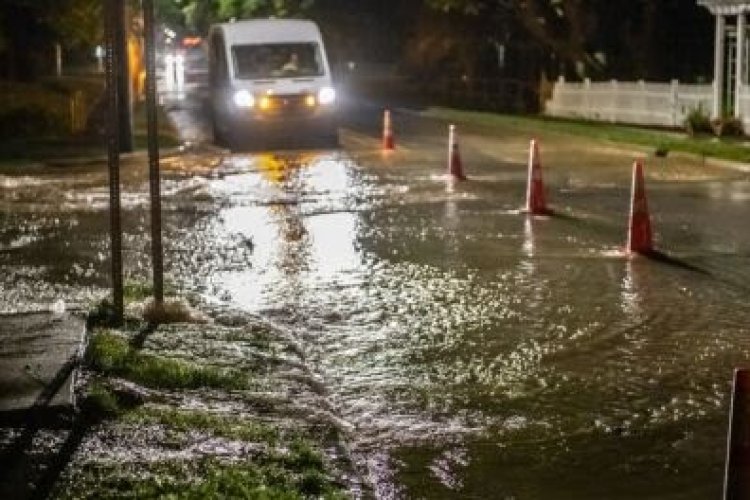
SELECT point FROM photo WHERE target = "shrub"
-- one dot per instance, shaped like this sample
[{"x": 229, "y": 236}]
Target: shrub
[
  {"x": 698, "y": 122},
  {"x": 727, "y": 127},
  {"x": 43, "y": 108}
]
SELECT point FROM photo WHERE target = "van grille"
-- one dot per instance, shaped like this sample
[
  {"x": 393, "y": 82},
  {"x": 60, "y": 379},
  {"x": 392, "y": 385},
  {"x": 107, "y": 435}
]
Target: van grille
[{"x": 293, "y": 104}]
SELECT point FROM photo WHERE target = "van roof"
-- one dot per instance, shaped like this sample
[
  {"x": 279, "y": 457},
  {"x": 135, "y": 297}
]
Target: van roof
[{"x": 269, "y": 31}]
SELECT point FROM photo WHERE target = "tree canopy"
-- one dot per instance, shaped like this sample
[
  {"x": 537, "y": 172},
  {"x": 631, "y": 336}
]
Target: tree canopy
[
  {"x": 200, "y": 14},
  {"x": 616, "y": 38},
  {"x": 29, "y": 29},
  {"x": 612, "y": 39}
]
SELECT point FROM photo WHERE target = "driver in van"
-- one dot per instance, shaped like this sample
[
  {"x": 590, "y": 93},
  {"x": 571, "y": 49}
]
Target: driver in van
[{"x": 292, "y": 64}]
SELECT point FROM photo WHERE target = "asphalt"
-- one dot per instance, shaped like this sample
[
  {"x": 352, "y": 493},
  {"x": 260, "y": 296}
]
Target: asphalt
[{"x": 38, "y": 354}]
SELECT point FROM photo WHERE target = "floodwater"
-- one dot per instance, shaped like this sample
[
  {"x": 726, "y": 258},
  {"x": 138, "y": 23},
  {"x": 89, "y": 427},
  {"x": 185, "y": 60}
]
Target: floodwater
[{"x": 476, "y": 351}]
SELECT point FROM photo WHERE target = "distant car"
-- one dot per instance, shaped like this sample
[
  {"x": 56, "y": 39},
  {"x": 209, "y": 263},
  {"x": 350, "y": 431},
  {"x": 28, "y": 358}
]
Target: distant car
[
  {"x": 196, "y": 64},
  {"x": 270, "y": 76},
  {"x": 189, "y": 57}
]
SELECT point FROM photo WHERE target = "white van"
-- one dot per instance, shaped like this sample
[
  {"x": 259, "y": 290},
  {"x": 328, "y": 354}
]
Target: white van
[{"x": 270, "y": 76}]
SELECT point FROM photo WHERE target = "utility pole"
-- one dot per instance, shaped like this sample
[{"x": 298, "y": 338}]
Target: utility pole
[
  {"x": 113, "y": 57},
  {"x": 125, "y": 100},
  {"x": 157, "y": 252}
]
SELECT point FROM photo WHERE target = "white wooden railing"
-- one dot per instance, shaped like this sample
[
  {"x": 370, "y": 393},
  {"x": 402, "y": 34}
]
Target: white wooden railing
[{"x": 641, "y": 103}]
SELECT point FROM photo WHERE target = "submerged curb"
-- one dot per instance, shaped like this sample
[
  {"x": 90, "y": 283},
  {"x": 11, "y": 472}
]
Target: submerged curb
[{"x": 135, "y": 156}]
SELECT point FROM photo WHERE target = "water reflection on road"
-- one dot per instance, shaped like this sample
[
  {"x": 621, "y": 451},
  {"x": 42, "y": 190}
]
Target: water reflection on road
[
  {"x": 483, "y": 353},
  {"x": 479, "y": 353}
]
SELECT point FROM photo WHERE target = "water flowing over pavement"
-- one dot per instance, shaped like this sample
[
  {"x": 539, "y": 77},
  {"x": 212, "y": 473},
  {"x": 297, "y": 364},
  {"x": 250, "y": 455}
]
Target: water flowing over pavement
[{"x": 477, "y": 352}]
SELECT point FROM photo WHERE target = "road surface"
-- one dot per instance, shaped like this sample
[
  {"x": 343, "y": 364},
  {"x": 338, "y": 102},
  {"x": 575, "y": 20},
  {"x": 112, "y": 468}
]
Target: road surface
[{"x": 477, "y": 351}]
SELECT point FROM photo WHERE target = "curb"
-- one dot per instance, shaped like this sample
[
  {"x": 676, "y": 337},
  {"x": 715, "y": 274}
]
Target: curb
[
  {"x": 51, "y": 403},
  {"x": 708, "y": 160}
]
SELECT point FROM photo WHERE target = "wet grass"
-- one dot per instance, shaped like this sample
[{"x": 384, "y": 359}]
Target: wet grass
[
  {"x": 202, "y": 479},
  {"x": 173, "y": 310},
  {"x": 218, "y": 425},
  {"x": 111, "y": 355},
  {"x": 135, "y": 291},
  {"x": 300, "y": 452},
  {"x": 288, "y": 466},
  {"x": 101, "y": 402},
  {"x": 192, "y": 453},
  {"x": 102, "y": 315},
  {"x": 735, "y": 149}
]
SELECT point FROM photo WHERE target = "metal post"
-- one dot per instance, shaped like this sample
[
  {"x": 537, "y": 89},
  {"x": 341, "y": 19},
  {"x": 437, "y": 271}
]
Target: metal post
[
  {"x": 719, "y": 47},
  {"x": 157, "y": 257},
  {"x": 125, "y": 105},
  {"x": 112, "y": 57}
]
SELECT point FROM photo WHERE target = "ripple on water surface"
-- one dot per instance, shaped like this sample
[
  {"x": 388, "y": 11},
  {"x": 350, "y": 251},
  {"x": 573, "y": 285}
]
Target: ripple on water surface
[
  {"x": 434, "y": 323},
  {"x": 458, "y": 337}
]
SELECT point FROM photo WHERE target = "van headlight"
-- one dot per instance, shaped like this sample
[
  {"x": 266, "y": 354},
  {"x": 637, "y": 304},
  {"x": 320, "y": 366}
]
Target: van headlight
[
  {"x": 243, "y": 99},
  {"x": 326, "y": 95}
]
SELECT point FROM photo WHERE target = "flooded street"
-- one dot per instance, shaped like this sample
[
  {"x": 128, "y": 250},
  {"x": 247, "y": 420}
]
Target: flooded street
[{"x": 476, "y": 351}]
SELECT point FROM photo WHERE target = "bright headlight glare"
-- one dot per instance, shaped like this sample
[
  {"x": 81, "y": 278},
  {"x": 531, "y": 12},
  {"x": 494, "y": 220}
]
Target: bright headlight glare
[
  {"x": 326, "y": 95},
  {"x": 244, "y": 99}
]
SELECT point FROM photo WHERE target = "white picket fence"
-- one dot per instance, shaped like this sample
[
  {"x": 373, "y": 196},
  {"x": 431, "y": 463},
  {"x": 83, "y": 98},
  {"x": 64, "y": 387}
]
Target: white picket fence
[{"x": 641, "y": 103}]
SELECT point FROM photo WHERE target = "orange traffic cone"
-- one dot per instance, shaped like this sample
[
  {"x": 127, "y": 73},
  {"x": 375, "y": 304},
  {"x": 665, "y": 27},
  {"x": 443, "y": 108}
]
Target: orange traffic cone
[
  {"x": 455, "y": 167},
  {"x": 388, "y": 142},
  {"x": 639, "y": 230},
  {"x": 535, "y": 199}
]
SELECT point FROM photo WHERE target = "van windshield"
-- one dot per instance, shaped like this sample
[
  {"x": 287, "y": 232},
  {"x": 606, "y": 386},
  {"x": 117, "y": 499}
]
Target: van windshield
[{"x": 278, "y": 60}]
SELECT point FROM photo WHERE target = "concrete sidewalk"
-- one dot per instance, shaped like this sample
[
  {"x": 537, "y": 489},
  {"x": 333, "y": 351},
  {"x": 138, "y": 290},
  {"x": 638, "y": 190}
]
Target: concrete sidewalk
[{"x": 38, "y": 353}]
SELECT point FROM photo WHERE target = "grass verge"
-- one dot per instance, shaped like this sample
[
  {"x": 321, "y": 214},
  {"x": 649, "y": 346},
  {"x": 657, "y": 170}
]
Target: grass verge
[
  {"x": 734, "y": 149},
  {"x": 111, "y": 355},
  {"x": 207, "y": 443},
  {"x": 134, "y": 290},
  {"x": 206, "y": 479},
  {"x": 218, "y": 425}
]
